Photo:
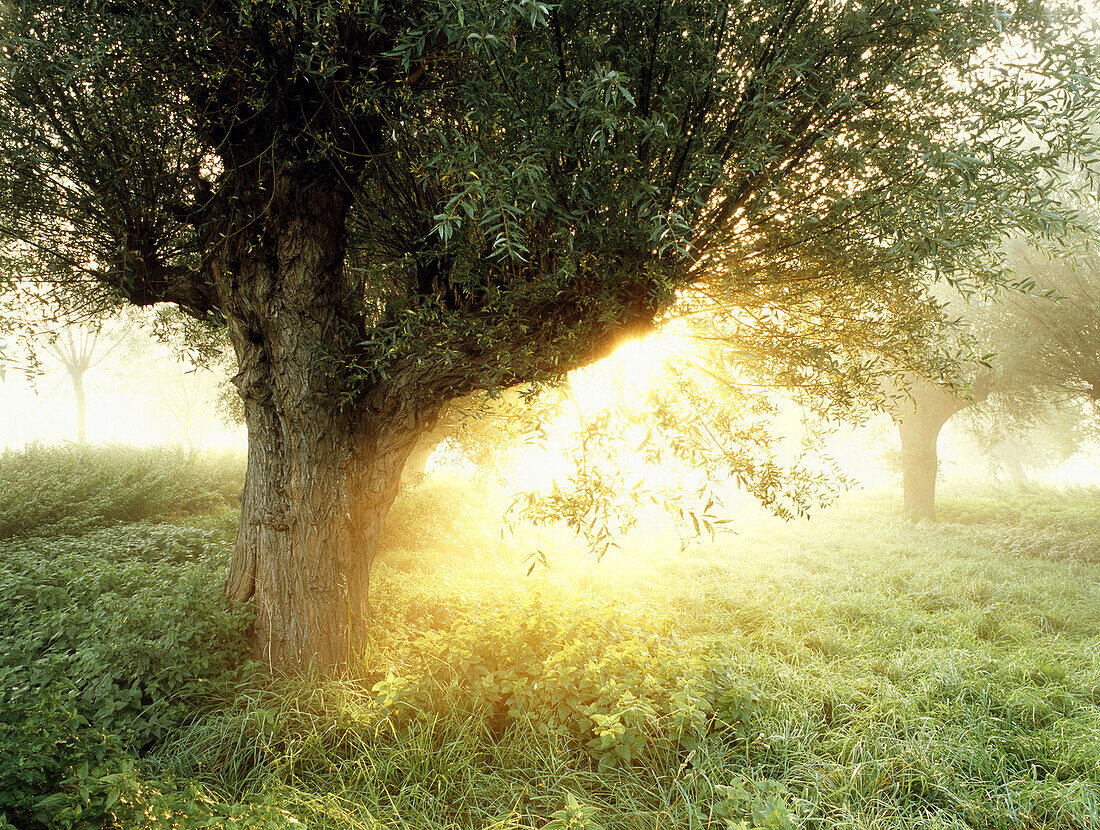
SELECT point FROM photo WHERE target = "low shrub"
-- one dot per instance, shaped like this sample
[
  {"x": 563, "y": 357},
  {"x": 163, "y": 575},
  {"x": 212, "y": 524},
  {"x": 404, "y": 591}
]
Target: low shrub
[
  {"x": 136, "y": 620},
  {"x": 58, "y": 771},
  {"x": 71, "y": 489},
  {"x": 581, "y": 673},
  {"x": 441, "y": 512},
  {"x": 43, "y": 739}
]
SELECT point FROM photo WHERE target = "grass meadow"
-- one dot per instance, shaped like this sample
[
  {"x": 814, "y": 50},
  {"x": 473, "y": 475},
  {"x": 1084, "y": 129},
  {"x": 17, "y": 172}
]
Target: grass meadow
[{"x": 853, "y": 671}]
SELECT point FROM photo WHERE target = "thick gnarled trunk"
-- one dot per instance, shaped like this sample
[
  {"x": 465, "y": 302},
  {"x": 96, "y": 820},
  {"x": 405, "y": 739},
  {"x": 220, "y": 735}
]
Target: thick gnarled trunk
[
  {"x": 327, "y": 439},
  {"x": 316, "y": 494},
  {"x": 323, "y": 465}
]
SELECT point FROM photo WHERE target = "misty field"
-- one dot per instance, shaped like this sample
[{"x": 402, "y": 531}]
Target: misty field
[{"x": 853, "y": 671}]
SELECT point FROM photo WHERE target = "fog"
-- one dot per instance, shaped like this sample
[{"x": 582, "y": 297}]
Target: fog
[
  {"x": 144, "y": 400},
  {"x": 146, "y": 396}
]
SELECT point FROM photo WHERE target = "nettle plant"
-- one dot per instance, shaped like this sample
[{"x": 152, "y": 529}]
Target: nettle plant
[{"x": 582, "y": 676}]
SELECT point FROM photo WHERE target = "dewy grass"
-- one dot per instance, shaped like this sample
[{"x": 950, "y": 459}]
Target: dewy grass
[
  {"x": 902, "y": 677},
  {"x": 857, "y": 671}
]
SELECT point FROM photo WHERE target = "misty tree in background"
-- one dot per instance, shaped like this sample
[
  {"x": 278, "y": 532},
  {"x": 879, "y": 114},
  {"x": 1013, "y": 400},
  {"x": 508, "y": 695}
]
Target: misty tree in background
[
  {"x": 140, "y": 366},
  {"x": 75, "y": 346},
  {"x": 75, "y": 352},
  {"x": 78, "y": 348},
  {"x": 392, "y": 205},
  {"x": 1042, "y": 347},
  {"x": 1046, "y": 355},
  {"x": 184, "y": 397},
  {"x": 1041, "y": 440},
  {"x": 921, "y": 410},
  {"x": 182, "y": 370}
]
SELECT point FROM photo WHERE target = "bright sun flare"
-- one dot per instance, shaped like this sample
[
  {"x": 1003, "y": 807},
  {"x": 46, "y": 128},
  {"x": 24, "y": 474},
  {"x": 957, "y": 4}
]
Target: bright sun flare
[
  {"x": 627, "y": 373},
  {"x": 625, "y": 376}
]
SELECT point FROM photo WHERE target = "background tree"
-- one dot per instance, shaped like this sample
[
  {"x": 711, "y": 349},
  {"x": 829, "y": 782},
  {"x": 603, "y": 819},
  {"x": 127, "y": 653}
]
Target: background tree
[
  {"x": 78, "y": 348},
  {"x": 1041, "y": 441},
  {"x": 393, "y": 205},
  {"x": 1046, "y": 347},
  {"x": 1042, "y": 342},
  {"x": 185, "y": 397},
  {"x": 921, "y": 410},
  {"x": 183, "y": 373},
  {"x": 1048, "y": 340}
]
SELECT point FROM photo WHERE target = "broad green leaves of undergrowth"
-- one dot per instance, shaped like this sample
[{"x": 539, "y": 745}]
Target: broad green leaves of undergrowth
[
  {"x": 118, "y": 633},
  {"x": 580, "y": 673}
]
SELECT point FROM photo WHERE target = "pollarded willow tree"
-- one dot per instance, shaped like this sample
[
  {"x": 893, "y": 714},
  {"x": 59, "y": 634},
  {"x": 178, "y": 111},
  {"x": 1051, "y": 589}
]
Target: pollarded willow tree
[{"x": 391, "y": 204}]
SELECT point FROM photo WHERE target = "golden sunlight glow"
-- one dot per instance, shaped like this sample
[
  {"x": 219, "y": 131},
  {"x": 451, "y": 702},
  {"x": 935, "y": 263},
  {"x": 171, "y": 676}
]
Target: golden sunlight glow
[
  {"x": 627, "y": 373},
  {"x": 626, "y": 376},
  {"x": 865, "y": 455}
]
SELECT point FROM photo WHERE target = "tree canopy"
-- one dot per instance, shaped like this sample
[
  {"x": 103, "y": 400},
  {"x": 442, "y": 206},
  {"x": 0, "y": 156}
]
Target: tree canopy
[
  {"x": 391, "y": 204},
  {"x": 1047, "y": 341},
  {"x": 496, "y": 165}
]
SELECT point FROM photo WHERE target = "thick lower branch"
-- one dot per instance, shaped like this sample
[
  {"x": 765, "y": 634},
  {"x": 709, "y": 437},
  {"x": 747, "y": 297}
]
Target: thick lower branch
[{"x": 145, "y": 284}]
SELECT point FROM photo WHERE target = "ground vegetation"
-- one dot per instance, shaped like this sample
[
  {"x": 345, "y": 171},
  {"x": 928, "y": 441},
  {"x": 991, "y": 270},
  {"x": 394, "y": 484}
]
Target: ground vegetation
[{"x": 388, "y": 206}]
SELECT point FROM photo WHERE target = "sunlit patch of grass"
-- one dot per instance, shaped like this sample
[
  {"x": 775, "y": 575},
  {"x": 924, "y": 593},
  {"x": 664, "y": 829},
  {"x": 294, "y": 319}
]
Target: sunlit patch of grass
[
  {"x": 915, "y": 674},
  {"x": 905, "y": 676}
]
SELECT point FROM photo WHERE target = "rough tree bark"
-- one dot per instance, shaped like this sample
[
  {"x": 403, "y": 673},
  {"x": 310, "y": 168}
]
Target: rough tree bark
[
  {"x": 317, "y": 490},
  {"x": 323, "y": 467}
]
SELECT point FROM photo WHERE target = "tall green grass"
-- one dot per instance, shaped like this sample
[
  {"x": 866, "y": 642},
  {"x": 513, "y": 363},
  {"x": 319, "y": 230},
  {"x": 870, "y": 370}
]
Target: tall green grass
[{"x": 856, "y": 671}]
